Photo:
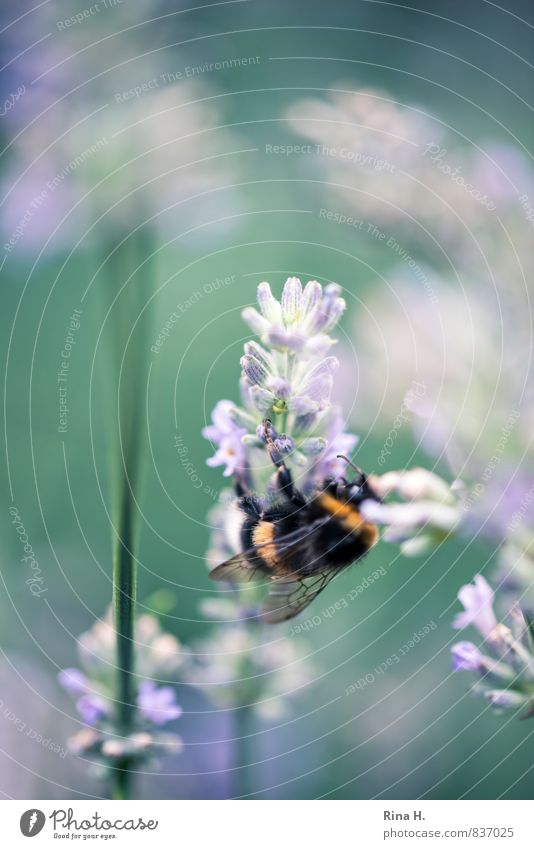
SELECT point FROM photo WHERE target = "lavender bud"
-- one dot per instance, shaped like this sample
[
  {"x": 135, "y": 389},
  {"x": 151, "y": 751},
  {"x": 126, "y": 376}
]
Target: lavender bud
[
  {"x": 254, "y": 370},
  {"x": 466, "y": 655},
  {"x": 313, "y": 446},
  {"x": 506, "y": 699},
  {"x": 284, "y": 444}
]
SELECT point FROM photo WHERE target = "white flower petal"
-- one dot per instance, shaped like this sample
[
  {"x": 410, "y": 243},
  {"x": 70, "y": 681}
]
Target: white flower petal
[
  {"x": 291, "y": 299},
  {"x": 255, "y": 321},
  {"x": 311, "y": 297},
  {"x": 269, "y": 306}
]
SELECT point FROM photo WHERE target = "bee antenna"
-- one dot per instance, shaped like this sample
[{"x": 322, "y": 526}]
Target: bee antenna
[{"x": 350, "y": 463}]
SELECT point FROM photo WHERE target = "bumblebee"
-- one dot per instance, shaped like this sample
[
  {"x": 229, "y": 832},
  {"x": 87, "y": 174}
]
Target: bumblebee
[{"x": 298, "y": 544}]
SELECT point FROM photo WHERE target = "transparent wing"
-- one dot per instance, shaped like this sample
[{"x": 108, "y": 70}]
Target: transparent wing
[
  {"x": 237, "y": 570},
  {"x": 241, "y": 568},
  {"x": 288, "y": 596}
]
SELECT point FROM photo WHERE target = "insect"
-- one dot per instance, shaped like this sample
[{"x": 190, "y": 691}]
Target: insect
[{"x": 298, "y": 544}]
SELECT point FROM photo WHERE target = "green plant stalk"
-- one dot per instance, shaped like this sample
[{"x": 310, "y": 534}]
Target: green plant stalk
[
  {"x": 125, "y": 584},
  {"x": 124, "y": 599},
  {"x": 242, "y": 724},
  {"x": 122, "y": 780},
  {"x": 130, "y": 359},
  {"x": 243, "y": 716}
]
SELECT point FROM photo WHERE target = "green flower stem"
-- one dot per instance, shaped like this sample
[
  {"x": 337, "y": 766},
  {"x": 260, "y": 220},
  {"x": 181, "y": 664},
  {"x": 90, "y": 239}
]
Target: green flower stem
[
  {"x": 122, "y": 782},
  {"x": 242, "y": 721},
  {"x": 127, "y": 265},
  {"x": 124, "y": 597}
]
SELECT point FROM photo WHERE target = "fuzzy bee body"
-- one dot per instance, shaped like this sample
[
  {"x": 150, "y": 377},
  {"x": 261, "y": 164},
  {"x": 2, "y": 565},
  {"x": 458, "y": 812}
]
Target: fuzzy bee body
[
  {"x": 332, "y": 535},
  {"x": 298, "y": 545}
]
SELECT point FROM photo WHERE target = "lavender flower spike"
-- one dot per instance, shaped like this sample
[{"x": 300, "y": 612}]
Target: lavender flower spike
[
  {"x": 477, "y": 600},
  {"x": 287, "y": 380},
  {"x": 157, "y": 654},
  {"x": 302, "y": 318}
]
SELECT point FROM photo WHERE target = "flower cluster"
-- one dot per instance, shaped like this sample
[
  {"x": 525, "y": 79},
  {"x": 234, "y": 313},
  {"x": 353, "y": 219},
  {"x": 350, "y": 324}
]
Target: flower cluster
[
  {"x": 506, "y": 663},
  {"x": 289, "y": 383},
  {"x": 401, "y": 167},
  {"x": 426, "y": 513},
  {"x": 93, "y": 687},
  {"x": 471, "y": 354},
  {"x": 477, "y": 411},
  {"x": 243, "y": 664},
  {"x": 73, "y": 161},
  {"x": 463, "y": 331}
]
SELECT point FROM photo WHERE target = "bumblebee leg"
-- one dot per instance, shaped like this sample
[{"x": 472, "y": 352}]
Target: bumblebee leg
[
  {"x": 239, "y": 487},
  {"x": 283, "y": 477},
  {"x": 248, "y": 503}
]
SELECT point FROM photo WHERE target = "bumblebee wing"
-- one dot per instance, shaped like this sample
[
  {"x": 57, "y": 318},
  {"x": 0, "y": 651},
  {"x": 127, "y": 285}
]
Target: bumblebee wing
[
  {"x": 238, "y": 569},
  {"x": 241, "y": 568},
  {"x": 288, "y": 596}
]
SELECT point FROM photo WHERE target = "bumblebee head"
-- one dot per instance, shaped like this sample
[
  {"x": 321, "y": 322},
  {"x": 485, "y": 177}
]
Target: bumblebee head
[{"x": 359, "y": 489}]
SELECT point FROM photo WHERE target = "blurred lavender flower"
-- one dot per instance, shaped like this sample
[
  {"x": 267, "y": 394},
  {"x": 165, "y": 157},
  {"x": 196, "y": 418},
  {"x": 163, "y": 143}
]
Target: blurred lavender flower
[
  {"x": 426, "y": 515},
  {"x": 287, "y": 377},
  {"x": 131, "y": 149},
  {"x": 73, "y": 680},
  {"x": 472, "y": 354},
  {"x": 157, "y": 704},
  {"x": 240, "y": 664},
  {"x": 98, "y": 177},
  {"x": 507, "y": 671},
  {"x": 157, "y": 654},
  {"x": 477, "y": 600},
  {"x": 466, "y": 655},
  {"x": 400, "y": 168},
  {"x": 465, "y": 336}
]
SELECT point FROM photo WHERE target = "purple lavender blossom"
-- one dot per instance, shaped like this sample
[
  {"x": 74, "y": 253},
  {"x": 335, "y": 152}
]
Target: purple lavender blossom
[
  {"x": 289, "y": 384},
  {"x": 507, "y": 699},
  {"x": 73, "y": 681},
  {"x": 338, "y": 442},
  {"x": 502, "y": 169},
  {"x": 465, "y": 655},
  {"x": 91, "y": 708},
  {"x": 226, "y": 435},
  {"x": 300, "y": 320},
  {"x": 157, "y": 704},
  {"x": 477, "y": 600},
  {"x": 94, "y": 686},
  {"x": 312, "y": 393}
]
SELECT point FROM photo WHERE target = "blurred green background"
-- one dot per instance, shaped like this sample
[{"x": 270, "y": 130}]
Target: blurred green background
[{"x": 414, "y": 731}]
